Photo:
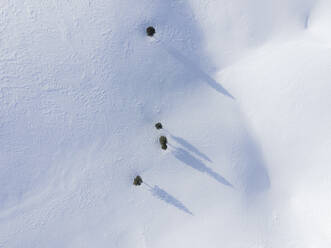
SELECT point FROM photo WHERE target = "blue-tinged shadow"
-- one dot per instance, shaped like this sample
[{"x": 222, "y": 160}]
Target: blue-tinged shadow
[
  {"x": 166, "y": 197},
  {"x": 197, "y": 164},
  {"x": 195, "y": 70},
  {"x": 255, "y": 176},
  {"x": 190, "y": 147}
]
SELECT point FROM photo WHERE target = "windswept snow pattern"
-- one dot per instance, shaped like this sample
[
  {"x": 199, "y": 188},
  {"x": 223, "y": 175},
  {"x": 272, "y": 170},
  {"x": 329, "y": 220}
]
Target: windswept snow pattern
[{"x": 242, "y": 89}]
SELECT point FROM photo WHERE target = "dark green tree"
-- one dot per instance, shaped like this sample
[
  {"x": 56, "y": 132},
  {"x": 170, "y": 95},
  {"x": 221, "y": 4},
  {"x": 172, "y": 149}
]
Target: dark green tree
[
  {"x": 158, "y": 125},
  {"x": 150, "y": 31},
  {"x": 163, "y": 141},
  {"x": 137, "y": 181}
]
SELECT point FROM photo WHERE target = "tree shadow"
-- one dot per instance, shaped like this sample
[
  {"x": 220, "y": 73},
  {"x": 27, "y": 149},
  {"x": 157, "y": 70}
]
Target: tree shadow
[
  {"x": 190, "y": 147},
  {"x": 197, "y": 164},
  {"x": 196, "y": 71},
  {"x": 169, "y": 199}
]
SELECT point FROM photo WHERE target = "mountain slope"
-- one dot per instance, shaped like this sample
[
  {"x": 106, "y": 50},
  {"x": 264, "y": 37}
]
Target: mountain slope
[{"x": 241, "y": 90}]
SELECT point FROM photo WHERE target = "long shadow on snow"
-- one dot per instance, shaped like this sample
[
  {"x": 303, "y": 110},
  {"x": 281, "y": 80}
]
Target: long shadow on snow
[
  {"x": 169, "y": 199},
  {"x": 196, "y": 71},
  {"x": 190, "y": 147},
  {"x": 197, "y": 164}
]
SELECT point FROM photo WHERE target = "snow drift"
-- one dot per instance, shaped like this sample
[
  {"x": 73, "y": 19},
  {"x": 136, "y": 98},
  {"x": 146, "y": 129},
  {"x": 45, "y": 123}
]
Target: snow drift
[{"x": 241, "y": 88}]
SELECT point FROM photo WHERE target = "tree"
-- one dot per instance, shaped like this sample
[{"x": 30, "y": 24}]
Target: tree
[
  {"x": 163, "y": 141},
  {"x": 150, "y": 31},
  {"x": 158, "y": 125},
  {"x": 137, "y": 181}
]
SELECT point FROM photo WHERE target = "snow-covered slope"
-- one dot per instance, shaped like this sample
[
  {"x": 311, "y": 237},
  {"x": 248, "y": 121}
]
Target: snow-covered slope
[{"x": 241, "y": 88}]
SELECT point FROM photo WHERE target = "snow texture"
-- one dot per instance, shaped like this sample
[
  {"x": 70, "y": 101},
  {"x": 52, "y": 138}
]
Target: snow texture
[{"x": 242, "y": 89}]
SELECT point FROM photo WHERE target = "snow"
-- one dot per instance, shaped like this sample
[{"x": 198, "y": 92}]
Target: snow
[{"x": 241, "y": 88}]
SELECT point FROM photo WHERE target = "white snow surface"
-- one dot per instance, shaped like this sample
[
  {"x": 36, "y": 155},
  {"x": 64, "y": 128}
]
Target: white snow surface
[{"x": 242, "y": 88}]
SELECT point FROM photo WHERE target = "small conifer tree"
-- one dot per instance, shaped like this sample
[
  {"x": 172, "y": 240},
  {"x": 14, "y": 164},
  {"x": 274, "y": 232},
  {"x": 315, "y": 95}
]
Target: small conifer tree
[
  {"x": 137, "y": 181},
  {"x": 158, "y": 125},
  {"x": 150, "y": 31},
  {"x": 163, "y": 141}
]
